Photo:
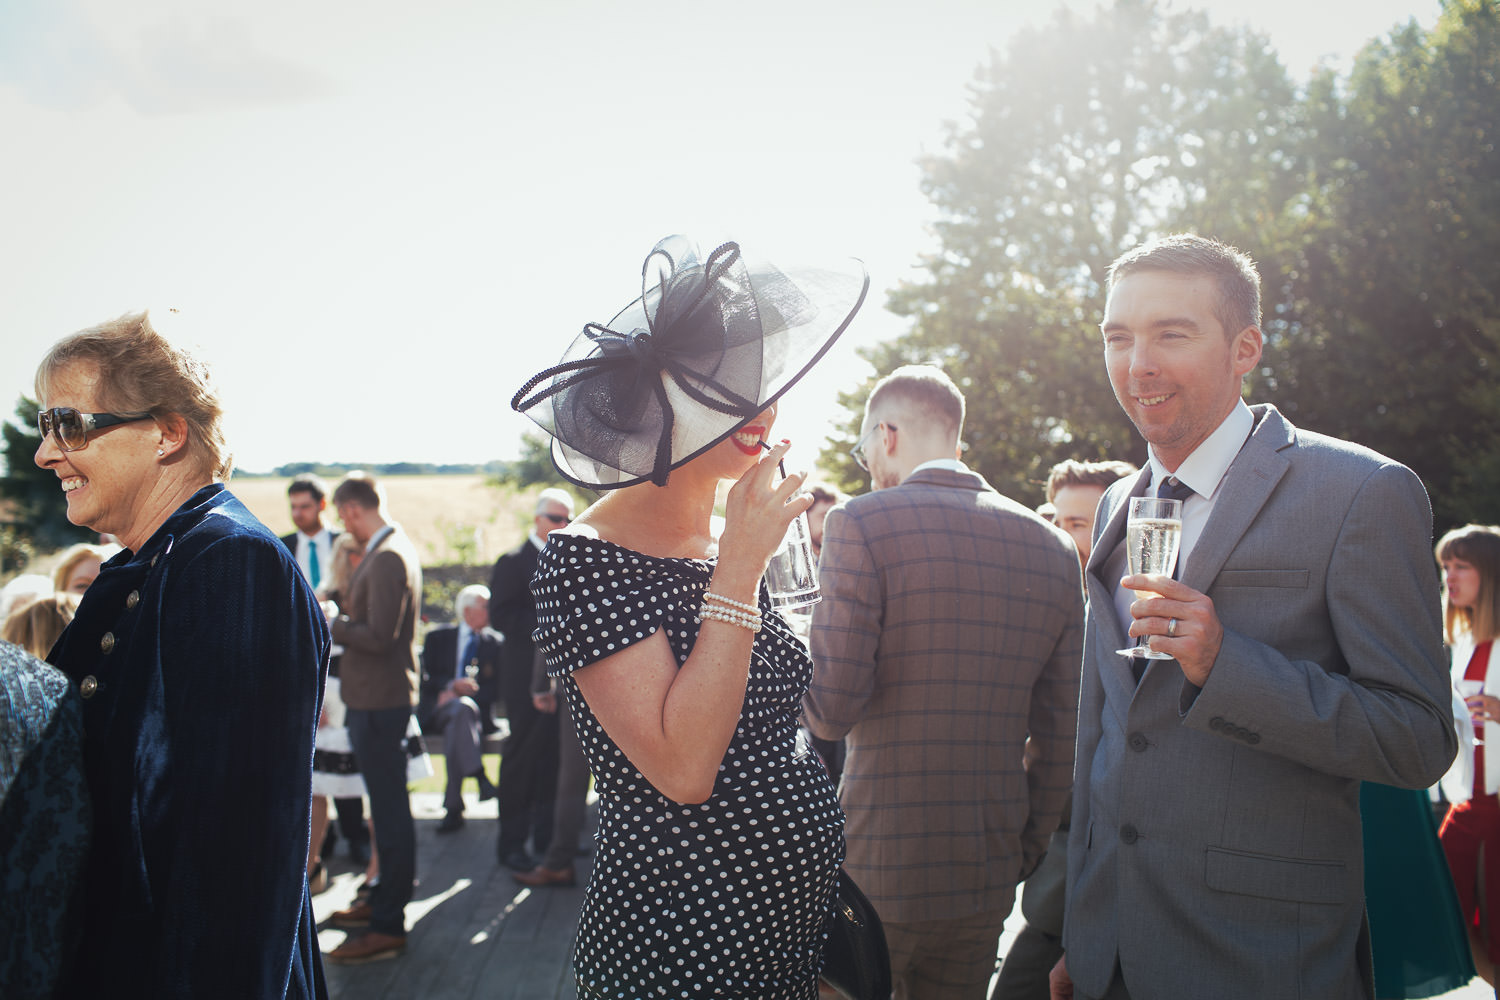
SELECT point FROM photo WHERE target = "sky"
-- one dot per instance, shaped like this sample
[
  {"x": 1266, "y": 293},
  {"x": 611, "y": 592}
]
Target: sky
[{"x": 376, "y": 220}]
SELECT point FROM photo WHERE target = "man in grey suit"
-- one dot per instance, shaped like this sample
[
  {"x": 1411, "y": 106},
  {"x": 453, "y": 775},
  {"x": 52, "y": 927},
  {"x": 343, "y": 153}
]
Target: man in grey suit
[
  {"x": 1215, "y": 844},
  {"x": 945, "y": 649}
]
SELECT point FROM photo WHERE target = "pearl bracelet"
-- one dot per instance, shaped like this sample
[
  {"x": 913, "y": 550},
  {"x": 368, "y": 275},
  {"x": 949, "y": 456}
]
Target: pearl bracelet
[
  {"x": 730, "y": 617},
  {"x": 709, "y": 595}
]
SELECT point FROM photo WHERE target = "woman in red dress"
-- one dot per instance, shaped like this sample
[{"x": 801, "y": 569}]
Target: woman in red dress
[{"x": 1470, "y": 557}]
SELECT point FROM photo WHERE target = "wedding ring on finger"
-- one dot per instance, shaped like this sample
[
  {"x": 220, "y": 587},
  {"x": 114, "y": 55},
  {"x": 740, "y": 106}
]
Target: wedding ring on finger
[{"x": 1171, "y": 628}]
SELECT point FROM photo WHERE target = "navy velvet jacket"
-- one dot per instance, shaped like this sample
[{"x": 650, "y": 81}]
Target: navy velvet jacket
[{"x": 201, "y": 661}]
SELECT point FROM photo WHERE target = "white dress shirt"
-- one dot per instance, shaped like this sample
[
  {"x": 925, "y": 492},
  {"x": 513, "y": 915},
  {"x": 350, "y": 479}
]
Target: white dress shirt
[
  {"x": 1204, "y": 470},
  {"x": 323, "y": 541}
]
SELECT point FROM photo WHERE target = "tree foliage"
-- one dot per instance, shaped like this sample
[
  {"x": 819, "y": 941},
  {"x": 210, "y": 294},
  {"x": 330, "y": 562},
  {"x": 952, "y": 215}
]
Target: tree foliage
[
  {"x": 1372, "y": 209},
  {"x": 1392, "y": 324}
]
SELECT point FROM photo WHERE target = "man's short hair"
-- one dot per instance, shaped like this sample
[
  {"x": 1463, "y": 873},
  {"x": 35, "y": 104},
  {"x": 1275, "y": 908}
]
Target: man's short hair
[
  {"x": 469, "y": 595},
  {"x": 825, "y": 494},
  {"x": 925, "y": 388},
  {"x": 553, "y": 495},
  {"x": 1233, "y": 272},
  {"x": 1070, "y": 472},
  {"x": 358, "y": 488},
  {"x": 308, "y": 483}
]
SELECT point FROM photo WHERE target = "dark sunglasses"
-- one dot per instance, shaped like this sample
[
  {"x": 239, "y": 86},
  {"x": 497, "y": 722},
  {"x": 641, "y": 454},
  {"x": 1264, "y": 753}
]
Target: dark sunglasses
[
  {"x": 71, "y": 429},
  {"x": 557, "y": 518}
]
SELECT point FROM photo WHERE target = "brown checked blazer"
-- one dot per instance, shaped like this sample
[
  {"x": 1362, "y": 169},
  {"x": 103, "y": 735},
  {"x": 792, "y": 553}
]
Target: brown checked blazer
[
  {"x": 950, "y": 631},
  {"x": 377, "y": 627}
]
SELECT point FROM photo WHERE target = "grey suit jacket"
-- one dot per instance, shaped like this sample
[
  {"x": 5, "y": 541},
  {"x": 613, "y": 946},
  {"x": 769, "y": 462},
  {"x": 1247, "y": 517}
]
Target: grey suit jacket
[
  {"x": 949, "y": 631},
  {"x": 378, "y": 625},
  {"x": 1215, "y": 846}
]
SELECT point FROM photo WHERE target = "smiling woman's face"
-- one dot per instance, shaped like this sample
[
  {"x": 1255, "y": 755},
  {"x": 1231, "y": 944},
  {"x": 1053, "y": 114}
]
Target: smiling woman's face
[{"x": 107, "y": 480}]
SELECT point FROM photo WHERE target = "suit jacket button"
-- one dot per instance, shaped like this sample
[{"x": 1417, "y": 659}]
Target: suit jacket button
[
  {"x": 1129, "y": 834},
  {"x": 132, "y": 600},
  {"x": 107, "y": 644},
  {"x": 1253, "y": 739},
  {"x": 1138, "y": 742},
  {"x": 1216, "y": 723},
  {"x": 88, "y": 686}
]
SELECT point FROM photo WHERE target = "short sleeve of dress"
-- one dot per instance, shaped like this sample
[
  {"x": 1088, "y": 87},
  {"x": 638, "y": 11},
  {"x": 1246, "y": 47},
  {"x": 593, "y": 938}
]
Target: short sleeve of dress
[{"x": 594, "y": 598}]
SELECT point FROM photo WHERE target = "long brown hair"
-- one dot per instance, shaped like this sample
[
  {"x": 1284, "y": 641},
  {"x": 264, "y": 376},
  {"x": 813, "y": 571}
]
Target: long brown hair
[{"x": 1479, "y": 546}]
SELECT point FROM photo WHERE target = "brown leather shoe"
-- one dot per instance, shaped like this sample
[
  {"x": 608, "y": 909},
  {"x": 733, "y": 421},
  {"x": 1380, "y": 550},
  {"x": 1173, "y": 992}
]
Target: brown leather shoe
[
  {"x": 541, "y": 877},
  {"x": 357, "y": 915},
  {"x": 370, "y": 947}
]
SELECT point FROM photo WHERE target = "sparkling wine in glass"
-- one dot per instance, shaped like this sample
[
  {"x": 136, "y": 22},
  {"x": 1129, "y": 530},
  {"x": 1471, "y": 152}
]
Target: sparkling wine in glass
[{"x": 1153, "y": 531}]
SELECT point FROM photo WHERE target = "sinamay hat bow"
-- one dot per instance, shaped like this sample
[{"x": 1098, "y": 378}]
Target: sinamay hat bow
[{"x": 708, "y": 345}]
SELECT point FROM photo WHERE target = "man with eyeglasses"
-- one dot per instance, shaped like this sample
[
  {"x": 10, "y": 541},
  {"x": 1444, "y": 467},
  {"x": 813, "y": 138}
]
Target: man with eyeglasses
[
  {"x": 528, "y": 767},
  {"x": 945, "y": 653}
]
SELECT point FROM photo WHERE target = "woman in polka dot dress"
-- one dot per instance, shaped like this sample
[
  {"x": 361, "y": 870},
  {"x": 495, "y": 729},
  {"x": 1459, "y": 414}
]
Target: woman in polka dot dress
[{"x": 720, "y": 834}]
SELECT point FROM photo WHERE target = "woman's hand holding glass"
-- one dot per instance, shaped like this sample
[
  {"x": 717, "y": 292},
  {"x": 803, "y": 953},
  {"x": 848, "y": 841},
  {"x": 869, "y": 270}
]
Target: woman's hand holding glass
[{"x": 757, "y": 513}]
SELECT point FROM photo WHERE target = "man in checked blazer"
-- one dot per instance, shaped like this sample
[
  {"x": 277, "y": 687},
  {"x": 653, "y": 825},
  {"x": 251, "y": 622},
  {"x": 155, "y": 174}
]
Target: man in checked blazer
[
  {"x": 1215, "y": 846},
  {"x": 945, "y": 652}
]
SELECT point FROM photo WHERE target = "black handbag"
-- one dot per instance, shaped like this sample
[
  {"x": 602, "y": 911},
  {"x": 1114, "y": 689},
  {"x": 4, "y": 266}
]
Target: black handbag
[{"x": 856, "y": 961}]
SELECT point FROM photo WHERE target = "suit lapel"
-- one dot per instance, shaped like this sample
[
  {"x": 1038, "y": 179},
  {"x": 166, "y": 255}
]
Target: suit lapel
[
  {"x": 1106, "y": 565},
  {"x": 1251, "y": 480},
  {"x": 1107, "y": 560}
]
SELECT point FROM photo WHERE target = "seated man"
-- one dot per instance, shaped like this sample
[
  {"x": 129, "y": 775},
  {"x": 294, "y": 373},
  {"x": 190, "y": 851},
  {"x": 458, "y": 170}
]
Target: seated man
[{"x": 455, "y": 658}]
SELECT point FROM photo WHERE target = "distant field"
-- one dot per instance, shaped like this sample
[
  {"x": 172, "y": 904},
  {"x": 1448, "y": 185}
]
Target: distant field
[{"x": 452, "y": 519}]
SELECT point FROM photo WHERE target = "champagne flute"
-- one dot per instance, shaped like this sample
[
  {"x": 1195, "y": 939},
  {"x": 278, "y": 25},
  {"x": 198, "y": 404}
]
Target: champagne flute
[
  {"x": 1153, "y": 532},
  {"x": 1473, "y": 689}
]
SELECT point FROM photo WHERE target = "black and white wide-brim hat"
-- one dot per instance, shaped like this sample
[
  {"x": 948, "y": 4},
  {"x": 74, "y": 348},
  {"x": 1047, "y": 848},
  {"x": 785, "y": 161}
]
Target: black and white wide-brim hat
[{"x": 711, "y": 342}]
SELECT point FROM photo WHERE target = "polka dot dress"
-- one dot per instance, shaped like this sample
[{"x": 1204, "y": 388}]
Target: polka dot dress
[{"x": 727, "y": 898}]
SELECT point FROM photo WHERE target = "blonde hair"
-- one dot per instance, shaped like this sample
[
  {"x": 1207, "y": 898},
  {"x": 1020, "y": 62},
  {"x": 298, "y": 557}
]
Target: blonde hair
[
  {"x": 1479, "y": 546},
  {"x": 71, "y": 557},
  {"x": 36, "y": 624},
  {"x": 928, "y": 391},
  {"x": 139, "y": 371},
  {"x": 346, "y": 549}
]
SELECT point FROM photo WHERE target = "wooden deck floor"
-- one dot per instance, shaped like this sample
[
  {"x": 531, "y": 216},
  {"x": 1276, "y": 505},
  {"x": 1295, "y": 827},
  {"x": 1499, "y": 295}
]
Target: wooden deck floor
[{"x": 472, "y": 931}]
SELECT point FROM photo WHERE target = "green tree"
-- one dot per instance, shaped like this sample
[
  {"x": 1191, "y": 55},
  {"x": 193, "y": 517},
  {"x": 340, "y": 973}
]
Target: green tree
[
  {"x": 1392, "y": 331},
  {"x": 40, "y": 510},
  {"x": 533, "y": 468},
  {"x": 1085, "y": 137}
]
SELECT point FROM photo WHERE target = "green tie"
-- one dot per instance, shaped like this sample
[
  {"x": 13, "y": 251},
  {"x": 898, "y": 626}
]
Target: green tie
[{"x": 312, "y": 564}]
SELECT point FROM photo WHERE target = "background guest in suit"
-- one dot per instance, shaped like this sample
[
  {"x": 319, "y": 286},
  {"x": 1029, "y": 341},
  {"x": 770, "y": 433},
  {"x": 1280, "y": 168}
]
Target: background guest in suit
[
  {"x": 571, "y": 793},
  {"x": 199, "y": 653},
  {"x": 946, "y": 647},
  {"x": 1470, "y": 557},
  {"x": 528, "y": 767},
  {"x": 825, "y": 498},
  {"x": 1076, "y": 488},
  {"x": 454, "y": 657},
  {"x": 1215, "y": 846},
  {"x": 312, "y": 546},
  {"x": 378, "y": 674}
]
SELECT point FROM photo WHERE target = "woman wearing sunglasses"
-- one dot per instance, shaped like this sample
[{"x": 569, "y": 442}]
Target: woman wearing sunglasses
[
  {"x": 720, "y": 835},
  {"x": 198, "y": 652}
]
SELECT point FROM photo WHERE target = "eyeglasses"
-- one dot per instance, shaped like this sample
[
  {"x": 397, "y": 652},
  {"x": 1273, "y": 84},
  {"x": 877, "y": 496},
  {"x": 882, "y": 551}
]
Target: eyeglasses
[
  {"x": 71, "y": 429},
  {"x": 557, "y": 518},
  {"x": 858, "y": 451}
]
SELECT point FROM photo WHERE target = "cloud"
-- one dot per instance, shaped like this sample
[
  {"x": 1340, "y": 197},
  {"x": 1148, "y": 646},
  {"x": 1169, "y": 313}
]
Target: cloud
[{"x": 156, "y": 56}]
